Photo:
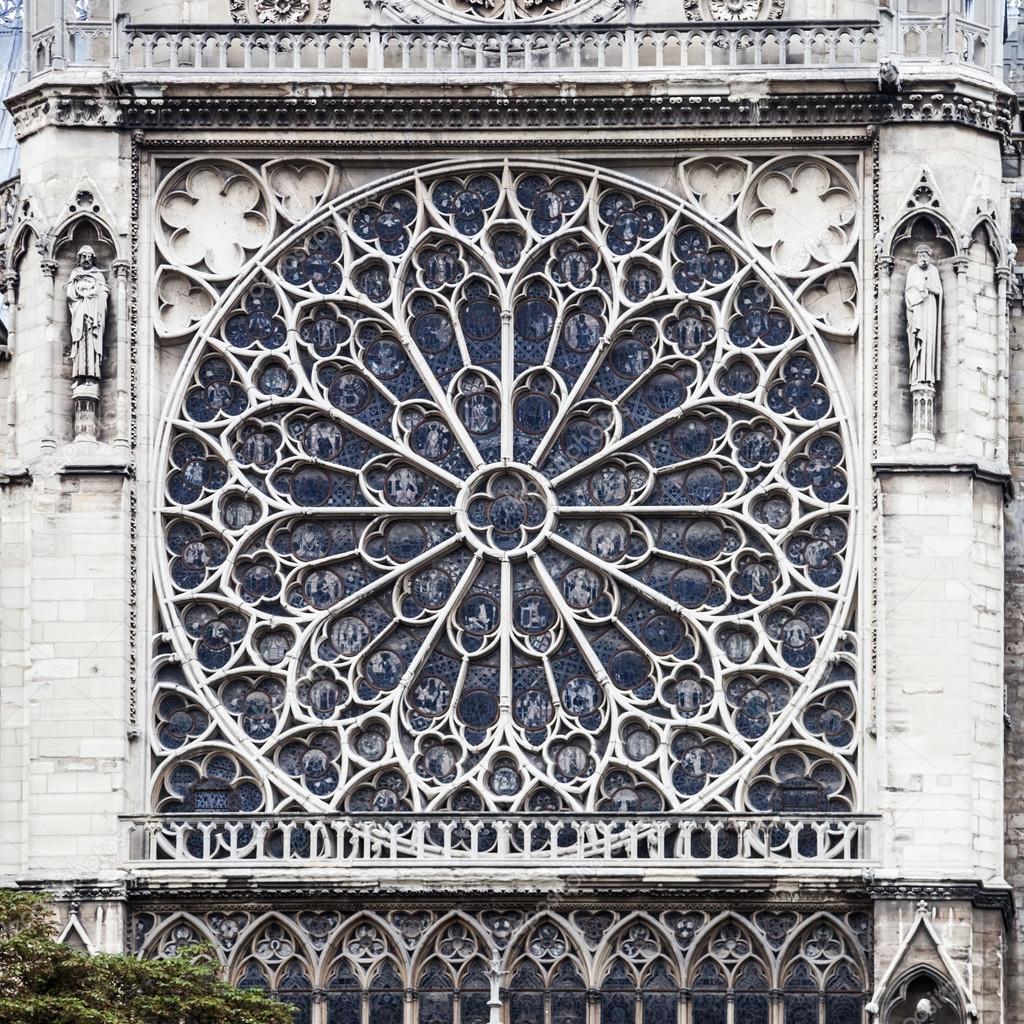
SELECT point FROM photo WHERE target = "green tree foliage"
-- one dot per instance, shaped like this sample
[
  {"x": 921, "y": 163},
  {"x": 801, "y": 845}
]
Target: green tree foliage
[{"x": 44, "y": 982}]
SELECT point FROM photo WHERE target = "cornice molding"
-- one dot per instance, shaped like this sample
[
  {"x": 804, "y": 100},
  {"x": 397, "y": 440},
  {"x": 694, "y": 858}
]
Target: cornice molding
[
  {"x": 942, "y": 464},
  {"x": 105, "y": 107}
]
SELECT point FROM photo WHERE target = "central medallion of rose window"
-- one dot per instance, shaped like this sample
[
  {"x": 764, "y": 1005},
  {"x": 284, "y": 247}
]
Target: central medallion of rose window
[{"x": 506, "y": 510}]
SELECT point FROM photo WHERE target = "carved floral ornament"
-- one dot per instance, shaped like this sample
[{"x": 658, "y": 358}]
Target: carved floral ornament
[
  {"x": 299, "y": 12},
  {"x": 734, "y": 10},
  {"x": 280, "y": 12},
  {"x": 542, "y": 966},
  {"x": 500, "y": 487}
]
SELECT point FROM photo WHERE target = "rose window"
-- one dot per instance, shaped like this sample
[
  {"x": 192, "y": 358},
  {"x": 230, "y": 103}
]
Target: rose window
[{"x": 509, "y": 489}]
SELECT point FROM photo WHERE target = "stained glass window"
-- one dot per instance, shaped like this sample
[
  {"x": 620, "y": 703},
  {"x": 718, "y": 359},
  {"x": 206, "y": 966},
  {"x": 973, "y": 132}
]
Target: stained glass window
[{"x": 515, "y": 488}]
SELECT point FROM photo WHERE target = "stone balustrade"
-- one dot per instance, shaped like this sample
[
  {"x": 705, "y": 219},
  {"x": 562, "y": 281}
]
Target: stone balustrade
[
  {"x": 456, "y": 52},
  {"x": 521, "y": 841},
  {"x": 464, "y": 52}
]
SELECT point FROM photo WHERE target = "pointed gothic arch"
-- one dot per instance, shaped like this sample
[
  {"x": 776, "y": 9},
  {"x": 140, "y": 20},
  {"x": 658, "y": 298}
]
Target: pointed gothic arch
[
  {"x": 547, "y": 974},
  {"x": 363, "y": 974},
  {"x": 177, "y": 933},
  {"x": 638, "y": 974},
  {"x": 453, "y": 972},
  {"x": 822, "y": 974},
  {"x": 272, "y": 956},
  {"x": 729, "y": 973}
]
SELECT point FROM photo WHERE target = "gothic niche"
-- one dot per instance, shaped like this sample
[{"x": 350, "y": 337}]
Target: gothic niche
[
  {"x": 922, "y": 290},
  {"x": 87, "y": 283},
  {"x": 923, "y": 999}
]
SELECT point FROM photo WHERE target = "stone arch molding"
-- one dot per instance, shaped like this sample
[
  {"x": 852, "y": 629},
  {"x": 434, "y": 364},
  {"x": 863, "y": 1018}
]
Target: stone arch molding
[{"x": 514, "y": 486}]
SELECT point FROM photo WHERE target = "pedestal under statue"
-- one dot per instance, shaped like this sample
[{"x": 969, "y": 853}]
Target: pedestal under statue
[
  {"x": 88, "y": 295},
  {"x": 923, "y": 297}
]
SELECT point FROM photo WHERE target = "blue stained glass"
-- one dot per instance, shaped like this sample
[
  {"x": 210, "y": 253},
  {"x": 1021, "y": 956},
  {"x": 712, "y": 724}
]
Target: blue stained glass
[
  {"x": 310, "y": 487},
  {"x": 535, "y": 413},
  {"x": 481, "y": 319},
  {"x": 581, "y": 439},
  {"x": 478, "y": 708},
  {"x": 325, "y": 332},
  {"x": 652, "y": 536},
  {"x": 390, "y": 226},
  {"x": 665, "y": 392},
  {"x": 480, "y": 413},
  {"x": 374, "y": 284},
  {"x": 641, "y": 281},
  {"x": 739, "y": 378},
  {"x": 274, "y": 379},
  {"x": 385, "y": 359},
  {"x": 535, "y": 319},
  {"x": 629, "y": 669},
  {"x": 582, "y": 332},
  {"x": 432, "y": 439},
  {"x": 629, "y": 358},
  {"x": 433, "y": 332},
  {"x": 508, "y": 248},
  {"x": 575, "y": 264}
]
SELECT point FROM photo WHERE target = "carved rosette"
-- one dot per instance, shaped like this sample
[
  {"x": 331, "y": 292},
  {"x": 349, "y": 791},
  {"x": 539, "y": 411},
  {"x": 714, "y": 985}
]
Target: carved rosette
[
  {"x": 734, "y": 10},
  {"x": 280, "y": 12}
]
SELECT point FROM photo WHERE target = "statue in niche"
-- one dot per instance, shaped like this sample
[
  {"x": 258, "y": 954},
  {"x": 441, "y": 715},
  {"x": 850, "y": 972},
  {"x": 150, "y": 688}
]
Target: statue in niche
[
  {"x": 88, "y": 294},
  {"x": 923, "y": 297},
  {"x": 924, "y": 1012}
]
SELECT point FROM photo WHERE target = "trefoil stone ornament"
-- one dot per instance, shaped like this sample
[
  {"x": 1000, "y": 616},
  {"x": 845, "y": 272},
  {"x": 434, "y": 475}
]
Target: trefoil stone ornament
[
  {"x": 88, "y": 295},
  {"x": 923, "y": 297}
]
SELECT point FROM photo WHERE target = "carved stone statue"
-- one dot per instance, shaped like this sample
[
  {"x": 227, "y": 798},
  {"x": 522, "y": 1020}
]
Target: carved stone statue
[
  {"x": 88, "y": 294},
  {"x": 924, "y": 1012},
  {"x": 923, "y": 298}
]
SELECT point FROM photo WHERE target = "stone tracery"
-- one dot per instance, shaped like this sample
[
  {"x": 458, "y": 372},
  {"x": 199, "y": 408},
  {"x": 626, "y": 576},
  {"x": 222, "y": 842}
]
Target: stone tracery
[
  {"x": 609, "y": 966},
  {"x": 536, "y": 496}
]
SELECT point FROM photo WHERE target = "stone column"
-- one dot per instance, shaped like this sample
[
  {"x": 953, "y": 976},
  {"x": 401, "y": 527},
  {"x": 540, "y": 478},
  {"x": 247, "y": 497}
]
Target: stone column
[
  {"x": 55, "y": 346},
  {"x": 952, "y": 331},
  {"x": 886, "y": 264},
  {"x": 9, "y": 447},
  {"x": 1003, "y": 378},
  {"x": 121, "y": 335},
  {"x": 923, "y": 433}
]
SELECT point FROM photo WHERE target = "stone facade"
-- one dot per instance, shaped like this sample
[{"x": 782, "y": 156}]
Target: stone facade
[{"x": 506, "y": 559}]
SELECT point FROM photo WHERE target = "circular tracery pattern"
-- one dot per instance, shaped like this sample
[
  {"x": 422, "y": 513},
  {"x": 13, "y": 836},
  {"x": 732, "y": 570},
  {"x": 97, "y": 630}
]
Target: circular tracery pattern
[{"x": 511, "y": 488}]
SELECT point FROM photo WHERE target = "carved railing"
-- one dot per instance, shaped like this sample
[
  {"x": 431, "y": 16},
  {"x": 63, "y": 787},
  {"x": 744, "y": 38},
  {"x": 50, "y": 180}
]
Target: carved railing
[
  {"x": 434, "y": 51},
  {"x": 622, "y": 49},
  {"x": 520, "y": 841},
  {"x": 942, "y": 39},
  {"x": 442, "y": 50}
]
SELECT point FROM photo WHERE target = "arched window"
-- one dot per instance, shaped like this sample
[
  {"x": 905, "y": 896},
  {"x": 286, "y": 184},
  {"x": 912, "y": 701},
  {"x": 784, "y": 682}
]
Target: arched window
[
  {"x": 453, "y": 983},
  {"x": 273, "y": 961},
  {"x": 639, "y": 984},
  {"x": 822, "y": 982},
  {"x": 546, "y": 979},
  {"x": 364, "y": 979},
  {"x": 730, "y": 978}
]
